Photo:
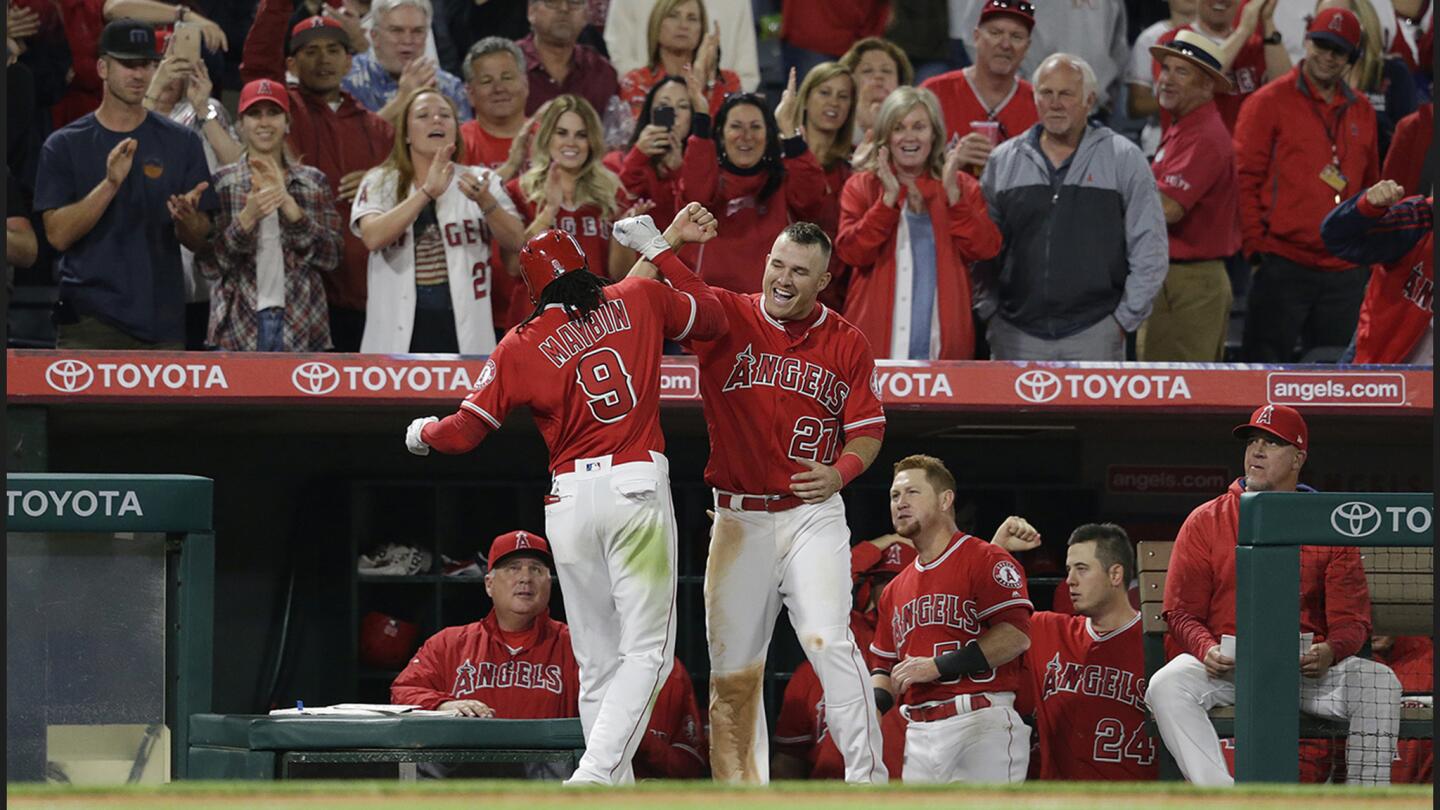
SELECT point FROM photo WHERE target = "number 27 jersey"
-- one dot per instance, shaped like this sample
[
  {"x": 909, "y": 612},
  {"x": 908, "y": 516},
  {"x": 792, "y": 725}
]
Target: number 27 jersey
[
  {"x": 593, "y": 386},
  {"x": 777, "y": 394}
]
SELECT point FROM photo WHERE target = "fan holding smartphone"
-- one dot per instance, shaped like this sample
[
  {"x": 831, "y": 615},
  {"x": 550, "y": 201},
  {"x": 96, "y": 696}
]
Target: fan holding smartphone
[{"x": 651, "y": 167}]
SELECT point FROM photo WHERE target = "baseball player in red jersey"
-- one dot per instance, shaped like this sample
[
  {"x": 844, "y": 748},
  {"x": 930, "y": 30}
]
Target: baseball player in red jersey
[
  {"x": 804, "y": 747},
  {"x": 515, "y": 663},
  {"x": 1088, "y": 670},
  {"x": 794, "y": 416},
  {"x": 952, "y": 629},
  {"x": 1413, "y": 660},
  {"x": 587, "y": 363},
  {"x": 1334, "y": 606},
  {"x": 674, "y": 745}
]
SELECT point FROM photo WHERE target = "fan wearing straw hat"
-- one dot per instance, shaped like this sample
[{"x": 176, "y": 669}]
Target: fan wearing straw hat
[{"x": 1194, "y": 171}]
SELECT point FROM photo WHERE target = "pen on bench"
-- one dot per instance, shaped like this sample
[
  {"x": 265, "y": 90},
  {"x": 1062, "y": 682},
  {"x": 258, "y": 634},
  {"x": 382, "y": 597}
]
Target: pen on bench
[{"x": 299, "y": 705}]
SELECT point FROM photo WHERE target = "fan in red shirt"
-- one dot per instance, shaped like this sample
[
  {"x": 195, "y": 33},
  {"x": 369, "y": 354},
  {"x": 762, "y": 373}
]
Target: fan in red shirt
[
  {"x": 587, "y": 363},
  {"x": 516, "y": 663},
  {"x": 951, "y": 631},
  {"x": 1087, "y": 670},
  {"x": 990, "y": 91},
  {"x": 804, "y": 748},
  {"x": 1334, "y": 606}
]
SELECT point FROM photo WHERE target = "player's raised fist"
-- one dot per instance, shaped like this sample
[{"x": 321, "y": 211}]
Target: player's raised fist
[
  {"x": 693, "y": 223},
  {"x": 413, "y": 442},
  {"x": 1385, "y": 194},
  {"x": 1016, "y": 534},
  {"x": 640, "y": 234}
]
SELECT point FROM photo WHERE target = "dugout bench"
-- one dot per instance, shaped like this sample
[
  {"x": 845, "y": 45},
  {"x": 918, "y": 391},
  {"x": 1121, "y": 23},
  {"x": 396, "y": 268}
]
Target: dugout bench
[
  {"x": 1401, "y": 583},
  {"x": 263, "y": 747}
]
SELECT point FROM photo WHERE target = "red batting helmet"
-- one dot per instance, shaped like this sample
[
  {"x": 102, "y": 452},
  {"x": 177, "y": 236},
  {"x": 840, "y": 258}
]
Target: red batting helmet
[
  {"x": 548, "y": 256},
  {"x": 869, "y": 558},
  {"x": 385, "y": 641}
]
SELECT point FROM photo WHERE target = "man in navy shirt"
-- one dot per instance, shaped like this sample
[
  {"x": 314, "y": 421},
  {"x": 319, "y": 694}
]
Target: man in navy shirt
[{"x": 121, "y": 189}]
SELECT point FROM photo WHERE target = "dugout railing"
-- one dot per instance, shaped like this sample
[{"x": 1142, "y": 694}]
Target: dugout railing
[
  {"x": 72, "y": 514},
  {"x": 1273, "y": 526}
]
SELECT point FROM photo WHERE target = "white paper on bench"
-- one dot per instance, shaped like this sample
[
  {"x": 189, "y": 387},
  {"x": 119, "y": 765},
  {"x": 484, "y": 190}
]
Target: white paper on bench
[
  {"x": 1227, "y": 644},
  {"x": 362, "y": 710}
]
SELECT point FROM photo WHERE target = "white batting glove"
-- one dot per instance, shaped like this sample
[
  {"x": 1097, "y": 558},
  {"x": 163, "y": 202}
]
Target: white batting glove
[
  {"x": 413, "y": 442},
  {"x": 641, "y": 234}
]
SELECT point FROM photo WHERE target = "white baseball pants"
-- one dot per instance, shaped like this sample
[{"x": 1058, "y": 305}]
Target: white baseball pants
[
  {"x": 799, "y": 558},
  {"x": 985, "y": 745},
  {"x": 612, "y": 532},
  {"x": 1363, "y": 691}
]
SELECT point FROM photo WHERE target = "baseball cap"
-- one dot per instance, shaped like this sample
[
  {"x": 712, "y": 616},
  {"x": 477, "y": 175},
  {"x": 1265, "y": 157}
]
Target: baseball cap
[
  {"x": 1022, "y": 10},
  {"x": 1197, "y": 49},
  {"x": 1337, "y": 26},
  {"x": 516, "y": 542},
  {"x": 264, "y": 90},
  {"x": 128, "y": 38},
  {"x": 317, "y": 27},
  {"x": 1281, "y": 421}
]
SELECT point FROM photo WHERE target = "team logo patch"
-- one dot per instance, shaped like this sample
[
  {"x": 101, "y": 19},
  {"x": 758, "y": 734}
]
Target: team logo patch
[
  {"x": 875, "y": 383},
  {"x": 892, "y": 554},
  {"x": 154, "y": 169},
  {"x": 487, "y": 376},
  {"x": 1265, "y": 415},
  {"x": 1007, "y": 574}
]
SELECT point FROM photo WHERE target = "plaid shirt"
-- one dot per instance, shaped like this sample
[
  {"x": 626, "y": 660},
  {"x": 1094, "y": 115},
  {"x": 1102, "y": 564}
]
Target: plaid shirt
[{"x": 310, "y": 245}]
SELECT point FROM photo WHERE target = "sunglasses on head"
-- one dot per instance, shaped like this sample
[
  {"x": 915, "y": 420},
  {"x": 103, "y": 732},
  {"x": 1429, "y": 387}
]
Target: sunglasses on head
[{"x": 1016, "y": 5}]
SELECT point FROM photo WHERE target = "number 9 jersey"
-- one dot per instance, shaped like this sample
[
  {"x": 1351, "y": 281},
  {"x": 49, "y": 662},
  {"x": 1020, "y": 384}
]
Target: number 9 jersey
[
  {"x": 793, "y": 391},
  {"x": 592, "y": 385}
]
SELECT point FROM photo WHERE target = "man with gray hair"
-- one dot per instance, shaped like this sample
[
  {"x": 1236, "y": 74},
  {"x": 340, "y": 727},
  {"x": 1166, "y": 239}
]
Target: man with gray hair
[
  {"x": 495, "y": 82},
  {"x": 1085, "y": 247},
  {"x": 383, "y": 77}
]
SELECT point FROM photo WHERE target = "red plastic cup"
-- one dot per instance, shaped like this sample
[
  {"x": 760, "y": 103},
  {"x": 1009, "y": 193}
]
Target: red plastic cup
[{"x": 990, "y": 129}]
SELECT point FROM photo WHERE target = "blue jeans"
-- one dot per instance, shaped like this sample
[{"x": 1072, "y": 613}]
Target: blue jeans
[{"x": 271, "y": 334}]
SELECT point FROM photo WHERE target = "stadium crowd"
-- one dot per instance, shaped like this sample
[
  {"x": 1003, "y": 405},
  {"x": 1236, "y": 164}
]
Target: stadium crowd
[{"x": 1000, "y": 179}]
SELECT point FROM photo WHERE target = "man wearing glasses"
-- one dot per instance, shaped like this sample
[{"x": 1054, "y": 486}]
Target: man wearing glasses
[
  {"x": 121, "y": 189},
  {"x": 556, "y": 64}
]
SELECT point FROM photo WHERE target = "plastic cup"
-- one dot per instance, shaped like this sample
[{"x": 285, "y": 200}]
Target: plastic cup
[{"x": 990, "y": 129}]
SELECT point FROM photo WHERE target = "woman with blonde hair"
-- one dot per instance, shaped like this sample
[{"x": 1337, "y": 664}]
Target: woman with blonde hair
[
  {"x": 911, "y": 223},
  {"x": 428, "y": 224},
  {"x": 676, "y": 37},
  {"x": 1382, "y": 77},
  {"x": 567, "y": 185},
  {"x": 827, "y": 115}
]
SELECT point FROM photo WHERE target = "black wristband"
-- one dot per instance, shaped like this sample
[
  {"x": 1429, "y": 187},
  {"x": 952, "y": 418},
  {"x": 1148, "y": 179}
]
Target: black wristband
[
  {"x": 793, "y": 147},
  {"x": 968, "y": 660},
  {"x": 700, "y": 125},
  {"x": 883, "y": 700}
]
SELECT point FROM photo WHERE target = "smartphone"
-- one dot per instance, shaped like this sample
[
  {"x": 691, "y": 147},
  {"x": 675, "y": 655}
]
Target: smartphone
[
  {"x": 663, "y": 117},
  {"x": 185, "y": 41}
]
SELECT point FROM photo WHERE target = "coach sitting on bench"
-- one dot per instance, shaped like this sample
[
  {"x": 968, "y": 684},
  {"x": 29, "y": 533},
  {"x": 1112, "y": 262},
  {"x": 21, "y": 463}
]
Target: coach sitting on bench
[
  {"x": 1334, "y": 605},
  {"x": 514, "y": 663}
]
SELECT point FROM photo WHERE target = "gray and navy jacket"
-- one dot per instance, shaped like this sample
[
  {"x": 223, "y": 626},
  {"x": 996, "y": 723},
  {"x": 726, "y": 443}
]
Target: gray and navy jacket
[{"x": 1079, "y": 245}]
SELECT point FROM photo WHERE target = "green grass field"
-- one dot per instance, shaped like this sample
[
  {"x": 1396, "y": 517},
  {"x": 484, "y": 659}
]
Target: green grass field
[{"x": 529, "y": 795}]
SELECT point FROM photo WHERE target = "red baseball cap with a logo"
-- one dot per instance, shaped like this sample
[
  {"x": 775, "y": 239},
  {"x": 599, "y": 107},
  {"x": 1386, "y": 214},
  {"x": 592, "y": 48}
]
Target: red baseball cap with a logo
[
  {"x": 1281, "y": 421},
  {"x": 1337, "y": 26},
  {"x": 317, "y": 27},
  {"x": 516, "y": 542},
  {"x": 1021, "y": 10},
  {"x": 264, "y": 90}
]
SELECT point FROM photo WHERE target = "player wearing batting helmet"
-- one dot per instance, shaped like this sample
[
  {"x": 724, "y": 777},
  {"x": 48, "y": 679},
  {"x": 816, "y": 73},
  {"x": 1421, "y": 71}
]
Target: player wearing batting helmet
[{"x": 587, "y": 363}]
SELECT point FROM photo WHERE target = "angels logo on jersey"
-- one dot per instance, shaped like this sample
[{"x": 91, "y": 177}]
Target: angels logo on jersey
[
  {"x": 487, "y": 376},
  {"x": 875, "y": 383},
  {"x": 1007, "y": 574}
]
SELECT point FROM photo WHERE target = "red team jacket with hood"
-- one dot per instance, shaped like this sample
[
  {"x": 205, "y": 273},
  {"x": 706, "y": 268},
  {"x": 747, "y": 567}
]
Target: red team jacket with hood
[
  {"x": 1200, "y": 585},
  {"x": 472, "y": 662},
  {"x": 868, "y": 239},
  {"x": 735, "y": 260},
  {"x": 1399, "y": 302}
]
